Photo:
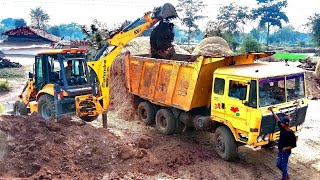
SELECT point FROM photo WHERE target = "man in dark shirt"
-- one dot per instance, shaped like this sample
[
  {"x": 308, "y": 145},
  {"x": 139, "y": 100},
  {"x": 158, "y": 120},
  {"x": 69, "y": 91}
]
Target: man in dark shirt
[{"x": 287, "y": 141}]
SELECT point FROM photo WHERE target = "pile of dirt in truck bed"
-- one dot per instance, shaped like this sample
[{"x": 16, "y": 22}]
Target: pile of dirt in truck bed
[
  {"x": 212, "y": 46},
  {"x": 123, "y": 103}
]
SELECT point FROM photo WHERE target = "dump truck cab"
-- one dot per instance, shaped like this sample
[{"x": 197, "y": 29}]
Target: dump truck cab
[{"x": 242, "y": 94}]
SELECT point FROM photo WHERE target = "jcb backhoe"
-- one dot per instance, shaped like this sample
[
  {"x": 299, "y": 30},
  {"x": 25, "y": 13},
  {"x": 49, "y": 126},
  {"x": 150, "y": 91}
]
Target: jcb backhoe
[{"x": 64, "y": 82}]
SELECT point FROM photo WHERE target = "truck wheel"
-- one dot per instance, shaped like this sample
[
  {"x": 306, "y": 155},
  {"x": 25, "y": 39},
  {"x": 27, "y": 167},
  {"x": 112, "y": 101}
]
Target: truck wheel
[
  {"x": 146, "y": 112},
  {"x": 46, "y": 106},
  {"x": 225, "y": 144},
  {"x": 19, "y": 108},
  {"x": 89, "y": 118},
  {"x": 165, "y": 121}
]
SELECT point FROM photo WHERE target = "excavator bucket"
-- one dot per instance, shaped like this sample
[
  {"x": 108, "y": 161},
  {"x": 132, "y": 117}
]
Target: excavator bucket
[{"x": 166, "y": 11}]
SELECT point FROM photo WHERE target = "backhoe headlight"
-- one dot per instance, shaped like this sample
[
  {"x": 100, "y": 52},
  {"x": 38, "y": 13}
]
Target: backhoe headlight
[{"x": 259, "y": 138}]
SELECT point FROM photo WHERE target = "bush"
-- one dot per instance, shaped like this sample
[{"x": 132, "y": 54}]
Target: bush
[
  {"x": 4, "y": 85},
  {"x": 250, "y": 44},
  {"x": 12, "y": 73}
]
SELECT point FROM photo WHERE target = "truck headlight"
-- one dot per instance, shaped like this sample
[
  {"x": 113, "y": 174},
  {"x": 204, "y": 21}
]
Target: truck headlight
[
  {"x": 266, "y": 137},
  {"x": 259, "y": 138}
]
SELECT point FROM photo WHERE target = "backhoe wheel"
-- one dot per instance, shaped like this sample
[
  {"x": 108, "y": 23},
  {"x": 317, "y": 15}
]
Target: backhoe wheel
[
  {"x": 146, "y": 112},
  {"x": 89, "y": 118},
  {"x": 19, "y": 108},
  {"x": 46, "y": 106},
  {"x": 165, "y": 121},
  {"x": 225, "y": 144}
]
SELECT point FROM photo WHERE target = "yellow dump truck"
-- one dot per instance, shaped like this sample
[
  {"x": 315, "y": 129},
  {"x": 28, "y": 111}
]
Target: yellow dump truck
[{"x": 227, "y": 95}]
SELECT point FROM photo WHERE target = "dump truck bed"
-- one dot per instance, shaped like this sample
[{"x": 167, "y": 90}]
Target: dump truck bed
[{"x": 178, "y": 83}]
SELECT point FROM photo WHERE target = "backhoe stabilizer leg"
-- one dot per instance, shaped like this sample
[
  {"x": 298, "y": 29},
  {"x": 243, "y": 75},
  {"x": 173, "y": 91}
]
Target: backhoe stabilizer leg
[{"x": 104, "y": 120}]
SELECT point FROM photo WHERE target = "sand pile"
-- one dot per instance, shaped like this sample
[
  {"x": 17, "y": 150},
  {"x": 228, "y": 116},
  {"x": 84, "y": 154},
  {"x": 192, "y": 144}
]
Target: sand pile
[
  {"x": 31, "y": 147},
  {"x": 123, "y": 103},
  {"x": 211, "y": 46}
]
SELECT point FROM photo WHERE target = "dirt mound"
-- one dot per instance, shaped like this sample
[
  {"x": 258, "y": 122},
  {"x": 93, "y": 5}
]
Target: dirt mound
[
  {"x": 31, "y": 147},
  {"x": 308, "y": 64},
  {"x": 37, "y": 149},
  {"x": 46, "y": 149},
  {"x": 123, "y": 103},
  {"x": 211, "y": 46}
]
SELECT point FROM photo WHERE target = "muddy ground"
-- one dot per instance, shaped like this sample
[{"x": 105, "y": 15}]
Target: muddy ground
[
  {"x": 31, "y": 148},
  {"x": 35, "y": 149}
]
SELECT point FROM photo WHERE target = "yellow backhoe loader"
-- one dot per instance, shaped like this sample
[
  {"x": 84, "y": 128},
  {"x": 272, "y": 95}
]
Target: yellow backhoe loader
[{"x": 64, "y": 82}]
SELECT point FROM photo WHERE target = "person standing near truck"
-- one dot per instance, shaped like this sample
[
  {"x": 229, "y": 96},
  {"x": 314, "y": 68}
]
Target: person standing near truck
[{"x": 287, "y": 141}]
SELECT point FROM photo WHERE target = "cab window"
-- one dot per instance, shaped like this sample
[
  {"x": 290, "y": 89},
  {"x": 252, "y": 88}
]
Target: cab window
[
  {"x": 237, "y": 89},
  {"x": 219, "y": 86}
]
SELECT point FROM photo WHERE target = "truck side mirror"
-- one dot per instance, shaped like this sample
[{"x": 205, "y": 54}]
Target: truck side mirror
[{"x": 30, "y": 75}]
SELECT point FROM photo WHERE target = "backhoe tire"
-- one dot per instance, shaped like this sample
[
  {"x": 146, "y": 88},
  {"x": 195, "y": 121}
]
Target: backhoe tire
[
  {"x": 165, "y": 121},
  {"x": 225, "y": 143},
  {"x": 46, "y": 106},
  {"x": 146, "y": 113},
  {"x": 19, "y": 108},
  {"x": 89, "y": 118}
]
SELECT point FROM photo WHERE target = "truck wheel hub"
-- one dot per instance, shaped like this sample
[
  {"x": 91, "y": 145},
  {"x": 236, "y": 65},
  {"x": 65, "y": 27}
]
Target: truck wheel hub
[{"x": 220, "y": 144}]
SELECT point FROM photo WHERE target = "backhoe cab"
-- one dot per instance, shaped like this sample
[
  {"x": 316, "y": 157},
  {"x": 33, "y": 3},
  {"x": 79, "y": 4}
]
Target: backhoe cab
[{"x": 58, "y": 76}]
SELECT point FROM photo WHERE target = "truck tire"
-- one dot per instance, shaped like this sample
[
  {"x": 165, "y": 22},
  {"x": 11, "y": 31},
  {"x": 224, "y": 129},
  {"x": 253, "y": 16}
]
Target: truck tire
[
  {"x": 89, "y": 118},
  {"x": 19, "y": 108},
  {"x": 146, "y": 112},
  {"x": 46, "y": 106},
  {"x": 225, "y": 144},
  {"x": 165, "y": 121}
]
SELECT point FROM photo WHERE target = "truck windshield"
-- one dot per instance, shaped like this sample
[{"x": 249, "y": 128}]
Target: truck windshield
[
  {"x": 295, "y": 86},
  {"x": 271, "y": 91}
]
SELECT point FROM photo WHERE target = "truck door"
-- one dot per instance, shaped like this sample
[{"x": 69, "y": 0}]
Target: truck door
[
  {"x": 218, "y": 98},
  {"x": 235, "y": 110}
]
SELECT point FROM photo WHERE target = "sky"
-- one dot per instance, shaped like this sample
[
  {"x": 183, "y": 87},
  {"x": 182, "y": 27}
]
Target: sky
[{"x": 113, "y": 12}]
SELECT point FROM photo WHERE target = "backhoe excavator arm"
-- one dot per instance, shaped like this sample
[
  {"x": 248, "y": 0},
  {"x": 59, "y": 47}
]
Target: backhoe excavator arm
[{"x": 102, "y": 65}]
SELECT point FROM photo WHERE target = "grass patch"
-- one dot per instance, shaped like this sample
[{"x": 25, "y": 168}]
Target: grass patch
[
  {"x": 290, "y": 56},
  {"x": 6, "y": 73},
  {"x": 4, "y": 85}
]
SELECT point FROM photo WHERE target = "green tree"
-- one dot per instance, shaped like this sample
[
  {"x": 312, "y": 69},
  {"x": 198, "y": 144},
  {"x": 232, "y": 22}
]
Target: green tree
[
  {"x": 55, "y": 30},
  {"x": 8, "y": 23},
  {"x": 233, "y": 16},
  {"x": 19, "y": 22},
  {"x": 314, "y": 26},
  {"x": 269, "y": 13},
  {"x": 39, "y": 18},
  {"x": 250, "y": 44},
  {"x": 229, "y": 23},
  {"x": 191, "y": 12}
]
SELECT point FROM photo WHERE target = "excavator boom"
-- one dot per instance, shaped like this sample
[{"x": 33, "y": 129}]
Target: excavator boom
[{"x": 103, "y": 61}]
